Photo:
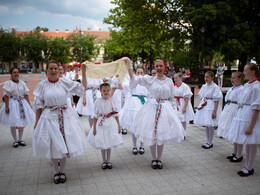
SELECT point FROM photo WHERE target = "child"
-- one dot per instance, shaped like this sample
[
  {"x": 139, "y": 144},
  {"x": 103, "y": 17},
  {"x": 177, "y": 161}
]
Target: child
[
  {"x": 182, "y": 100},
  {"x": 208, "y": 111},
  {"x": 229, "y": 113},
  {"x": 244, "y": 128},
  {"x": 139, "y": 95},
  {"x": 105, "y": 133}
]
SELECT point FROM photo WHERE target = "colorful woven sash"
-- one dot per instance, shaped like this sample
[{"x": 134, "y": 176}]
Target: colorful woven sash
[
  {"x": 141, "y": 98},
  {"x": 205, "y": 102},
  {"x": 178, "y": 101},
  {"x": 231, "y": 102},
  {"x": 94, "y": 93},
  {"x": 60, "y": 110},
  {"x": 21, "y": 108},
  {"x": 158, "y": 113},
  {"x": 242, "y": 105},
  {"x": 104, "y": 116}
]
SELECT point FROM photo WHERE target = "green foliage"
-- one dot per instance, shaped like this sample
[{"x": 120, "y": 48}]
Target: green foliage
[
  {"x": 38, "y": 29},
  {"x": 84, "y": 42},
  {"x": 59, "y": 50}
]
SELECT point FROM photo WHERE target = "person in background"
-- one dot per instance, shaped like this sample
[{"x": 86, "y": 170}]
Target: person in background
[
  {"x": 220, "y": 74},
  {"x": 171, "y": 69}
]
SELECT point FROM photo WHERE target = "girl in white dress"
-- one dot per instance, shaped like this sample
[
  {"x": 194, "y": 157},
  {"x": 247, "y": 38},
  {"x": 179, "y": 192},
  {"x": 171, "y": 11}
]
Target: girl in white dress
[
  {"x": 182, "y": 100},
  {"x": 17, "y": 110},
  {"x": 229, "y": 113},
  {"x": 157, "y": 122},
  {"x": 86, "y": 104},
  {"x": 208, "y": 111},
  {"x": 57, "y": 130},
  {"x": 245, "y": 127},
  {"x": 105, "y": 133},
  {"x": 139, "y": 95}
]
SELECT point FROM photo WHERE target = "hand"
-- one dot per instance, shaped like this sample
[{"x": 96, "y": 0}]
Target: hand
[
  {"x": 7, "y": 110},
  {"x": 84, "y": 101},
  {"x": 248, "y": 131},
  {"x": 72, "y": 103},
  {"x": 183, "y": 110},
  {"x": 214, "y": 115},
  {"x": 94, "y": 132},
  {"x": 119, "y": 130}
]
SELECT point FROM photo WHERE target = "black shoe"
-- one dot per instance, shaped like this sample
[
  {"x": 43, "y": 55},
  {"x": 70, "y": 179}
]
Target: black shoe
[
  {"x": 56, "y": 178},
  {"x": 207, "y": 146},
  {"x": 235, "y": 159},
  {"x": 104, "y": 165},
  {"x": 154, "y": 164},
  {"x": 62, "y": 179},
  {"x": 135, "y": 151},
  {"x": 232, "y": 156},
  {"x": 80, "y": 115},
  {"x": 141, "y": 150},
  {"x": 159, "y": 164},
  {"x": 109, "y": 165},
  {"x": 243, "y": 174},
  {"x": 21, "y": 143},
  {"x": 124, "y": 131},
  {"x": 15, "y": 144}
]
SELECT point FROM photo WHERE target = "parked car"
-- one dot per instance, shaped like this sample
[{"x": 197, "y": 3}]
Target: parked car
[
  {"x": 2, "y": 71},
  {"x": 25, "y": 69}
]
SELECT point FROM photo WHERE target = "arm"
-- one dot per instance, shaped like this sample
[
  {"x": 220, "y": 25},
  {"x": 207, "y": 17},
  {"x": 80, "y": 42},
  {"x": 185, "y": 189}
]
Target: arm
[
  {"x": 26, "y": 97},
  {"x": 130, "y": 73},
  {"x": 214, "y": 114},
  {"x": 94, "y": 126},
  {"x": 186, "y": 101},
  {"x": 6, "y": 104},
  {"x": 249, "y": 130},
  {"x": 117, "y": 120},
  {"x": 84, "y": 79},
  {"x": 38, "y": 115}
]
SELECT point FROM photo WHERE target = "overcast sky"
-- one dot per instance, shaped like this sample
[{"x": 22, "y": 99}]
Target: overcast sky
[{"x": 24, "y": 15}]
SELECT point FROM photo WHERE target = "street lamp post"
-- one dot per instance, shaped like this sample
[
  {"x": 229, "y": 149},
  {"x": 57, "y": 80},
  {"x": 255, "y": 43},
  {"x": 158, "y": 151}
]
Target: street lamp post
[
  {"x": 80, "y": 45},
  {"x": 201, "y": 74}
]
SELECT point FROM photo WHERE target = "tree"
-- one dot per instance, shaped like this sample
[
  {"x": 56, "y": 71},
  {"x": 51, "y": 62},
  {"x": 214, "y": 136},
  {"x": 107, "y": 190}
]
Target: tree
[
  {"x": 83, "y": 47},
  {"x": 59, "y": 50},
  {"x": 38, "y": 29},
  {"x": 9, "y": 46}
]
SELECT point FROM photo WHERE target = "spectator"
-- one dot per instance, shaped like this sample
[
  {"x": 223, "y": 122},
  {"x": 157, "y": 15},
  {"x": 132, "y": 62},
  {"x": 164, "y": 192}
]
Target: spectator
[{"x": 171, "y": 70}]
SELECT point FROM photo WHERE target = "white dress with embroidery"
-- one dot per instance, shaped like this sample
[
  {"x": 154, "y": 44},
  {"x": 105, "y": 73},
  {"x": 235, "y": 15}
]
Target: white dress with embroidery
[
  {"x": 16, "y": 113},
  {"x": 47, "y": 139},
  {"x": 248, "y": 101},
  {"x": 182, "y": 92},
  {"x": 168, "y": 127},
  {"x": 209, "y": 93},
  {"x": 107, "y": 135},
  {"x": 91, "y": 95},
  {"x": 132, "y": 104},
  {"x": 229, "y": 110}
]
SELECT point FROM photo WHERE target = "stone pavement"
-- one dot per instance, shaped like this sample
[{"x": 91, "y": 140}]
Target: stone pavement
[{"x": 188, "y": 169}]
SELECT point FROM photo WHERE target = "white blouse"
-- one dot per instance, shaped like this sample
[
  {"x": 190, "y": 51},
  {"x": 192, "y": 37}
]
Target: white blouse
[
  {"x": 13, "y": 89},
  {"x": 183, "y": 91},
  {"x": 234, "y": 93},
  {"x": 102, "y": 106},
  {"x": 211, "y": 91}
]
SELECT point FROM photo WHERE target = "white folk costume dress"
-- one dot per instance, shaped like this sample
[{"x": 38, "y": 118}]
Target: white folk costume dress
[
  {"x": 181, "y": 92},
  {"x": 58, "y": 132},
  {"x": 139, "y": 95},
  {"x": 20, "y": 112},
  {"x": 248, "y": 101},
  {"x": 157, "y": 121},
  {"x": 107, "y": 135},
  {"x": 229, "y": 110},
  {"x": 91, "y": 96},
  {"x": 209, "y": 93}
]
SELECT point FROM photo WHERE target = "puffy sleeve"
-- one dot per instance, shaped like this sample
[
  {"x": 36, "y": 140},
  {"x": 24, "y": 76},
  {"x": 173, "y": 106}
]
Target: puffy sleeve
[
  {"x": 95, "y": 114},
  {"x": 38, "y": 95},
  {"x": 8, "y": 88},
  {"x": 187, "y": 92},
  {"x": 114, "y": 83},
  {"x": 145, "y": 81},
  {"x": 26, "y": 90},
  {"x": 217, "y": 95},
  {"x": 73, "y": 87},
  {"x": 256, "y": 97}
]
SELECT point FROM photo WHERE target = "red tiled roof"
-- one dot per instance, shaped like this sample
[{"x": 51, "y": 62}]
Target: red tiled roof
[{"x": 99, "y": 34}]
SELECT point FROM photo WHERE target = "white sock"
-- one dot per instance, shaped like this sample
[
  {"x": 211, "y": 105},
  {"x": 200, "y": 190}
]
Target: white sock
[
  {"x": 134, "y": 140},
  {"x": 62, "y": 164},
  {"x": 207, "y": 134},
  {"x": 239, "y": 150},
  {"x": 184, "y": 125},
  {"x": 211, "y": 135},
  {"x": 55, "y": 165},
  {"x": 90, "y": 121},
  {"x": 235, "y": 148},
  {"x": 108, "y": 154},
  {"x": 103, "y": 152},
  {"x": 153, "y": 151},
  {"x": 13, "y": 132},
  {"x": 159, "y": 151},
  {"x": 141, "y": 144},
  {"x": 20, "y": 129},
  {"x": 251, "y": 156}
]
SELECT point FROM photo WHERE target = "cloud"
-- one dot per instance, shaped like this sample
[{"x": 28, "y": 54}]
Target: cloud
[{"x": 3, "y": 9}]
